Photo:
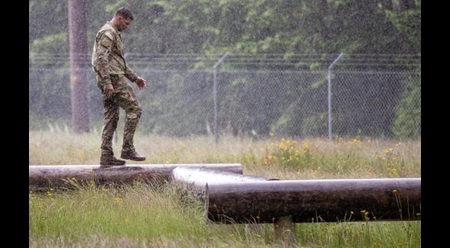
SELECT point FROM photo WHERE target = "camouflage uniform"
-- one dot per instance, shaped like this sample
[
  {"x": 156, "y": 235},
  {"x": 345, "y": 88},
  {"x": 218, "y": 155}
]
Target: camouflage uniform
[{"x": 111, "y": 68}]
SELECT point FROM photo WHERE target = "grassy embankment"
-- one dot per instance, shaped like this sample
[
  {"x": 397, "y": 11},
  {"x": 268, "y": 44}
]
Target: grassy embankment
[{"x": 144, "y": 215}]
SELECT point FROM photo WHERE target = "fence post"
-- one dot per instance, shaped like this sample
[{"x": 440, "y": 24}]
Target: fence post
[
  {"x": 329, "y": 95},
  {"x": 216, "y": 65},
  {"x": 285, "y": 231}
]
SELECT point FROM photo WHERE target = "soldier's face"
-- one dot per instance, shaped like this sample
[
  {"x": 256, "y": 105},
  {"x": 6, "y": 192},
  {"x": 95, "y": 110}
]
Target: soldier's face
[{"x": 123, "y": 23}]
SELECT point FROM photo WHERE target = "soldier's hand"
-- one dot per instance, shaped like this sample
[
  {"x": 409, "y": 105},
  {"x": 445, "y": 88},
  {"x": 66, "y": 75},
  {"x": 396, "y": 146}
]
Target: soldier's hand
[
  {"x": 141, "y": 83},
  {"x": 109, "y": 90}
]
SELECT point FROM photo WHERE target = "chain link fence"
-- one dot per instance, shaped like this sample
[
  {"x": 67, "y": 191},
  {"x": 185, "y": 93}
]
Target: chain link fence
[{"x": 252, "y": 95}]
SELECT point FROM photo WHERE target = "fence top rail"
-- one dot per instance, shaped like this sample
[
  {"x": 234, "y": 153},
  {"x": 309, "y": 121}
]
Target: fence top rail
[{"x": 347, "y": 61}]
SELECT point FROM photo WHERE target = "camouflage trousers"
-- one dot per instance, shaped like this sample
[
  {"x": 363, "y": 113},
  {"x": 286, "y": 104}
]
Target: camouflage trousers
[{"x": 124, "y": 98}]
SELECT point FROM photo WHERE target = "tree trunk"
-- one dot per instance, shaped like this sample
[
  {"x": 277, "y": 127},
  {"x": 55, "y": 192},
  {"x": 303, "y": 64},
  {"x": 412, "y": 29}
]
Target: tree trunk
[
  {"x": 194, "y": 180},
  {"x": 331, "y": 200},
  {"x": 78, "y": 65},
  {"x": 44, "y": 177}
]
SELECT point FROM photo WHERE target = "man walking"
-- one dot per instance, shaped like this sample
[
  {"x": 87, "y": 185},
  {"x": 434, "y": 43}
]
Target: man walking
[{"x": 113, "y": 77}]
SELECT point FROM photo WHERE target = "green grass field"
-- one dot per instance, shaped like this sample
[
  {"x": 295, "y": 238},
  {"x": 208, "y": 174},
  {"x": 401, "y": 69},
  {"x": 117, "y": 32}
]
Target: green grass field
[{"x": 147, "y": 215}]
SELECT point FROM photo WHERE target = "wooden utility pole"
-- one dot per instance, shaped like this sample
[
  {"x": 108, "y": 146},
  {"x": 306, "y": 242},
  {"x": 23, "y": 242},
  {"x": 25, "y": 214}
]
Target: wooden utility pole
[{"x": 78, "y": 65}]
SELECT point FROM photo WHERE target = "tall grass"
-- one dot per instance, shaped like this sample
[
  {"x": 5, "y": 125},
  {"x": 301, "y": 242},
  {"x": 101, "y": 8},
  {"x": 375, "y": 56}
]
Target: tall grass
[{"x": 146, "y": 215}]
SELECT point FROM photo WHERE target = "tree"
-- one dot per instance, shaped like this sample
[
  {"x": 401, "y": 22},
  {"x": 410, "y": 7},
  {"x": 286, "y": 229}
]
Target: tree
[{"x": 78, "y": 78}]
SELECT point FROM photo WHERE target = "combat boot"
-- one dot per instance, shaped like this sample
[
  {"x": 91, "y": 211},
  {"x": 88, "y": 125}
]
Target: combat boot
[
  {"x": 109, "y": 160},
  {"x": 132, "y": 155}
]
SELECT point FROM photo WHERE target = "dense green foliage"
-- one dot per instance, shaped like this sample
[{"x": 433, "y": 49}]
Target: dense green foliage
[
  {"x": 254, "y": 26},
  {"x": 407, "y": 121}
]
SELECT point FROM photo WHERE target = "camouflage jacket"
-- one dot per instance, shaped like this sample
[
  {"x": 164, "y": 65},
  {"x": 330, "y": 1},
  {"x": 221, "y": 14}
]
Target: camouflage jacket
[{"x": 107, "y": 55}]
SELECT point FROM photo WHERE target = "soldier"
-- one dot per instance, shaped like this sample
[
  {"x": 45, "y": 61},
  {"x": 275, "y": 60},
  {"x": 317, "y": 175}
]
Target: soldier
[{"x": 113, "y": 77}]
